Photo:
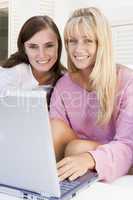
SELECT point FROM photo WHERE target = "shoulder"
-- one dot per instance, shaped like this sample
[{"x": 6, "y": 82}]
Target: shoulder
[
  {"x": 124, "y": 75},
  {"x": 64, "y": 82},
  {"x": 10, "y": 77},
  {"x": 18, "y": 72},
  {"x": 19, "y": 67}
]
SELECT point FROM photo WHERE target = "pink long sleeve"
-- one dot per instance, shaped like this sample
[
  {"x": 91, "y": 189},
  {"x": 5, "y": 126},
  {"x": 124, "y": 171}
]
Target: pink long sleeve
[{"x": 115, "y": 158}]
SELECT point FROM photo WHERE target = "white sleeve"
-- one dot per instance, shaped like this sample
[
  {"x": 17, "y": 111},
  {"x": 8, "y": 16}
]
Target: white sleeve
[{"x": 9, "y": 79}]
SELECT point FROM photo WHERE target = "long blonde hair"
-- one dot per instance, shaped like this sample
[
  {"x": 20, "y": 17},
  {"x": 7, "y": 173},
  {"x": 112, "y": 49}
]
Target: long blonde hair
[{"x": 102, "y": 78}]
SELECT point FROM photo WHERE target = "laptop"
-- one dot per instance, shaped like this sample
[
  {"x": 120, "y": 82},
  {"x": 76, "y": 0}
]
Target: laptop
[{"x": 27, "y": 159}]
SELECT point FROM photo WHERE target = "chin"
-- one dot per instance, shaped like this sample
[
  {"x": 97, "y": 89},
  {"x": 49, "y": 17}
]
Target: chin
[
  {"x": 82, "y": 68},
  {"x": 43, "y": 69}
]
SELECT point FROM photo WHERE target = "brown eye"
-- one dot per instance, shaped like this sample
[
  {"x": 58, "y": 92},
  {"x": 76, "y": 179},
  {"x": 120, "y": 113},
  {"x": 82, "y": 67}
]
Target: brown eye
[
  {"x": 72, "y": 41},
  {"x": 88, "y": 41},
  {"x": 31, "y": 46},
  {"x": 49, "y": 45}
]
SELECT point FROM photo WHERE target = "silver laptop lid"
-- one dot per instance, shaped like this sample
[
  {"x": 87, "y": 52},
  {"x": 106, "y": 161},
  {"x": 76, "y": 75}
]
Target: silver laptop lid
[{"x": 26, "y": 150}]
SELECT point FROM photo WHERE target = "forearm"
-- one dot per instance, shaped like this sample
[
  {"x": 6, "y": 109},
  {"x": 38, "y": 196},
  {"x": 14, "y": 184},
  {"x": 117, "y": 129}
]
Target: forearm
[
  {"x": 62, "y": 134},
  {"x": 78, "y": 146}
]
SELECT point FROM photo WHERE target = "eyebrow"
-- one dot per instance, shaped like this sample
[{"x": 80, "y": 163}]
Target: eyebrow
[
  {"x": 30, "y": 43},
  {"x": 87, "y": 37},
  {"x": 82, "y": 37}
]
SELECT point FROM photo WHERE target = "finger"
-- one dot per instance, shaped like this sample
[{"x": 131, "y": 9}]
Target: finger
[
  {"x": 75, "y": 175},
  {"x": 63, "y": 162},
  {"x": 67, "y": 174},
  {"x": 64, "y": 169}
]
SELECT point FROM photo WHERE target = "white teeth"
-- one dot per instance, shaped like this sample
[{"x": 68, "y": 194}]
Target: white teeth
[
  {"x": 43, "y": 61},
  {"x": 81, "y": 57}
]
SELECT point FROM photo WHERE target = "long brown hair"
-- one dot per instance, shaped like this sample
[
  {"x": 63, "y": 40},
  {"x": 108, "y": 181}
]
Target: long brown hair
[{"x": 31, "y": 27}]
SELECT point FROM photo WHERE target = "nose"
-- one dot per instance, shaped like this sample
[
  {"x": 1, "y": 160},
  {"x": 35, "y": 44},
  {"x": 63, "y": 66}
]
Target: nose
[
  {"x": 80, "y": 46},
  {"x": 41, "y": 52}
]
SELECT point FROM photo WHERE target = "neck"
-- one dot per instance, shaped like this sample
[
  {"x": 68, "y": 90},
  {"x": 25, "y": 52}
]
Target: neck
[
  {"x": 82, "y": 78},
  {"x": 43, "y": 78},
  {"x": 84, "y": 74}
]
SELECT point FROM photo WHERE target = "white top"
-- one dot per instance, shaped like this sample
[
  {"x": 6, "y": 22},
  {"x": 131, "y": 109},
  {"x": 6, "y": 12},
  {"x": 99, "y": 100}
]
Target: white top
[{"x": 17, "y": 77}]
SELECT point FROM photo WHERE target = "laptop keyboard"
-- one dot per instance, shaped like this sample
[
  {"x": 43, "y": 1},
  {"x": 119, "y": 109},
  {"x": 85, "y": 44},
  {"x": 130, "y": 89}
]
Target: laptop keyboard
[{"x": 66, "y": 186}]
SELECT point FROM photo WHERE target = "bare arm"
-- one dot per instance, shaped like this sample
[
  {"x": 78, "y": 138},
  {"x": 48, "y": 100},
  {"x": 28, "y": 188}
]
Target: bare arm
[
  {"x": 79, "y": 146},
  {"x": 62, "y": 135},
  {"x": 66, "y": 143}
]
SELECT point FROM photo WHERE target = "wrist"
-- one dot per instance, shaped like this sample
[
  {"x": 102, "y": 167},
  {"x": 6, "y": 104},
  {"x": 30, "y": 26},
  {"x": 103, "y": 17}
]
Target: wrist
[{"x": 92, "y": 162}]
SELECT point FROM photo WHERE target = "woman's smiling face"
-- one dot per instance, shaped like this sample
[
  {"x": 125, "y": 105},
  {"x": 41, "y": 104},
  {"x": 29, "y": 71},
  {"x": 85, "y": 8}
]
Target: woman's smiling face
[
  {"x": 42, "y": 50},
  {"x": 82, "y": 49}
]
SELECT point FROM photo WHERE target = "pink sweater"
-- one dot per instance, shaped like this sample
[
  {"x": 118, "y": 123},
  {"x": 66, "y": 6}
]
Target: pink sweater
[{"x": 78, "y": 108}]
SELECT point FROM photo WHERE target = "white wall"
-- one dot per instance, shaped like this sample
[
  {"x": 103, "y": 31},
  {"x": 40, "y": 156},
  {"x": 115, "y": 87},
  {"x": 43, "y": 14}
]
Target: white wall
[{"x": 115, "y": 10}]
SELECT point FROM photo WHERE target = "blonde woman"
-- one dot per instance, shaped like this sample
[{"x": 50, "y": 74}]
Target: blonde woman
[{"x": 92, "y": 105}]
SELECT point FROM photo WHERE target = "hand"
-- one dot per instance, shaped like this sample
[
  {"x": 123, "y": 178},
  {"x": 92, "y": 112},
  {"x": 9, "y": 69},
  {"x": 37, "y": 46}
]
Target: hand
[{"x": 74, "y": 166}]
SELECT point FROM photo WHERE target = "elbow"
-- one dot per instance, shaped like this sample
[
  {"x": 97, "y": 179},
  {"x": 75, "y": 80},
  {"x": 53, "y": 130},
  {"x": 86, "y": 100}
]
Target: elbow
[{"x": 111, "y": 173}]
